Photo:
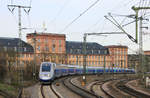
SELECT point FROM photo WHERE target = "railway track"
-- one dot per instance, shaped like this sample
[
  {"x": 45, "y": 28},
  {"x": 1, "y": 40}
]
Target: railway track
[
  {"x": 112, "y": 91},
  {"x": 96, "y": 88},
  {"x": 118, "y": 89},
  {"x": 42, "y": 92},
  {"x": 57, "y": 95},
  {"x": 131, "y": 91},
  {"x": 79, "y": 91},
  {"x": 48, "y": 92}
]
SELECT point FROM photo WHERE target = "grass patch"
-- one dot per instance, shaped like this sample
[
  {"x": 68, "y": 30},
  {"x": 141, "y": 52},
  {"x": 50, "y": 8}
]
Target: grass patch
[{"x": 8, "y": 89}]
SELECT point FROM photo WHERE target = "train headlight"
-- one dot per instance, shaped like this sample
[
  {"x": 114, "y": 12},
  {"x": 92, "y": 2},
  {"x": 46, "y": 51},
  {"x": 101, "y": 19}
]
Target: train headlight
[{"x": 48, "y": 75}]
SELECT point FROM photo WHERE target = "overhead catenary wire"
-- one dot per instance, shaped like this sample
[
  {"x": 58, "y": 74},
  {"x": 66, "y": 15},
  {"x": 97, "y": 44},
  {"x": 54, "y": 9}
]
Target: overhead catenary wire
[
  {"x": 140, "y": 3},
  {"x": 80, "y": 15},
  {"x": 94, "y": 25},
  {"x": 60, "y": 11},
  {"x": 30, "y": 2},
  {"x": 121, "y": 2},
  {"x": 145, "y": 11},
  {"x": 118, "y": 7},
  {"x": 143, "y": 5}
]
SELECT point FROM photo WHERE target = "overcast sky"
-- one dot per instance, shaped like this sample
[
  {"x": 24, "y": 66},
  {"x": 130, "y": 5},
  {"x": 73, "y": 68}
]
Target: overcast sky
[{"x": 57, "y": 14}]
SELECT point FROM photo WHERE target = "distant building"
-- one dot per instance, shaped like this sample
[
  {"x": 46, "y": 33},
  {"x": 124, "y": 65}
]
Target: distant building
[
  {"x": 95, "y": 54},
  {"x": 147, "y": 52},
  {"x": 119, "y": 55},
  {"x": 48, "y": 46},
  {"x": 54, "y": 48},
  {"x": 10, "y": 50}
]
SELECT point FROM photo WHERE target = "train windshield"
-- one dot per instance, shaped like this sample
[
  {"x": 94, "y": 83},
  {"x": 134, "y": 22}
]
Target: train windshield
[{"x": 46, "y": 67}]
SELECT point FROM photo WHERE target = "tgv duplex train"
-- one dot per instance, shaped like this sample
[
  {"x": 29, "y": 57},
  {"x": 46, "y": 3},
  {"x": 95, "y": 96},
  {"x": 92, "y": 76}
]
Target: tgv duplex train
[{"x": 49, "y": 71}]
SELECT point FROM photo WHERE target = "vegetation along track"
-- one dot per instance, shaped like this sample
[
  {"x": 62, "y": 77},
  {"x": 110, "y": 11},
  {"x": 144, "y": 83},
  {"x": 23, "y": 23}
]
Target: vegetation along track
[
  {"x": 121, "y": 85},
  {"x": 79, "y": 91},
  {"x": 6, "y": 95}
]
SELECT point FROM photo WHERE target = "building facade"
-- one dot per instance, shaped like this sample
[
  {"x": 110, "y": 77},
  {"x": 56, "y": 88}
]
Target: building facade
[
  {"x": 13, "y": 50},
  {"x": 54, "y": 48},
  {"x": 48, "y": 46},
  {"x": 118, "y": 55},
  {"x": 147, "y": 52},
  {"x": 96, "y": 54}
]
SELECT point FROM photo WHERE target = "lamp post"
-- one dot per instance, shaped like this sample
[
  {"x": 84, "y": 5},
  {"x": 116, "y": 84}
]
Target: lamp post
[
  {"x": 84, "y": 60},
  {"x": 34, "y": 66},
  {"x": 105, "y": 52}
]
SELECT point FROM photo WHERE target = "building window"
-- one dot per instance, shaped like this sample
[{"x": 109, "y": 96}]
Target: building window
[
  {"x": 46, "y": 48},
  {"x": 53, "y": 48},
  {"x": 102, "y": 57},
  {"x": 15, "y": 48},
  {"x": 95, "y": 63},
  {"x": 102, "y": 63},
  {"x": 59, "y": 45},
  {"x": 70, "y": 50},
  {"x": 125, "y": 64},
  {"x": 39, "y": 48},
  {"x": 25, "y": 49},
  {"x": 22, "y": 55},
  {"x": 124, "y": 52},
  {"x": 38, "y": 40},
  {"x": 59, "y": 42},
  {"x": 27, "y": 55},
  {"x": 5, "y": 48},
  {"x": 99, "y": 62},
  {"x": 92, "y": 51},
  {"x": 121, "y": 52},
  {"x": 99, "y": 51},
  {"x": 53, "y": 41},
  {"x": 53, "y": 45},
  {"x": 59, "y": 49},
  {"x": 46, "y": 40},
  {"x": 95, "y": 57}
]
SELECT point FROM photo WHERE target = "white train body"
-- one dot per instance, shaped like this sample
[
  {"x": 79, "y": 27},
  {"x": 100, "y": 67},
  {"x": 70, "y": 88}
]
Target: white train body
[
  {"x": 49, "y": 71},
  {"x": 46, "y": 73}
]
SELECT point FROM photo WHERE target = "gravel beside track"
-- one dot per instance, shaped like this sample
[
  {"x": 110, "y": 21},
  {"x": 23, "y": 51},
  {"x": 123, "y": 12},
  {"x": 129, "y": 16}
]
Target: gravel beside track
[
  {"x": 82, "y": 92},
  {"x": 96, "y": 88},
  {"x": 62, "y": 90},
  {"x": 110, "y": 89}
]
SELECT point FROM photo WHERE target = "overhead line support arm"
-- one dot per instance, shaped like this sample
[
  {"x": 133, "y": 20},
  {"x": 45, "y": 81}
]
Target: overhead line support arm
[
  {"x": 136, "y": 9},
  {"x": 118, "y": 25}
]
